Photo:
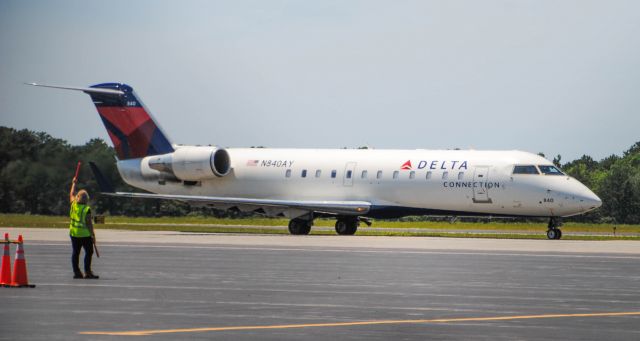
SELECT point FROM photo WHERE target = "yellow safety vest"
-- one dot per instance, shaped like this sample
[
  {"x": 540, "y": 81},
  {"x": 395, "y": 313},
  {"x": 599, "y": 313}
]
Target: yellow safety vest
[{"x": 78, "y": 226}]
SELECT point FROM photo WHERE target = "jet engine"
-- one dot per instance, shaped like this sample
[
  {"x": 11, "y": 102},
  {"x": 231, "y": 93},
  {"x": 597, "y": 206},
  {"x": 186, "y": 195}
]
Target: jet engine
[{"x": 192, "y": 163}]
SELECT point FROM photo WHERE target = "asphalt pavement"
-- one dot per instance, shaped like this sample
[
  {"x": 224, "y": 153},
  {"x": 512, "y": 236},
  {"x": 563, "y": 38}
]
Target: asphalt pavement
[{"x": 293, "y": 289}]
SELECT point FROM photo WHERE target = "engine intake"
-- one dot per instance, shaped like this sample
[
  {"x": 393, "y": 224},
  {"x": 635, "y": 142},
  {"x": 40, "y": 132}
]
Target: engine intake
[{"x": 193, "y": 163}]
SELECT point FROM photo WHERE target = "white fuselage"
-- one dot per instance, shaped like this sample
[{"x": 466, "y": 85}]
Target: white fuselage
[{"x": 437, "y": 182}]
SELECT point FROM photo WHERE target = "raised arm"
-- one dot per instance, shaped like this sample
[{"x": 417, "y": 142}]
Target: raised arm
[{"x": 72, "y": 192}]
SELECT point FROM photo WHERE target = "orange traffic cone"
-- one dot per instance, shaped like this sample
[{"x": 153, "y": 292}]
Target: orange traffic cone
[
  {"x": 19, "y": 278},
  {"x": 5, "y": 272}
]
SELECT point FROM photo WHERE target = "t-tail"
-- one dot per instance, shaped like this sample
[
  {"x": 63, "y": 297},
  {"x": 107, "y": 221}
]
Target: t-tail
[{"x": 132, "y": 129}]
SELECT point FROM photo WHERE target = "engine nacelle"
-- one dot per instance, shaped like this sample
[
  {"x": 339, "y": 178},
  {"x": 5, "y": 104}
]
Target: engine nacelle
[{"x": 193, "y": 163}]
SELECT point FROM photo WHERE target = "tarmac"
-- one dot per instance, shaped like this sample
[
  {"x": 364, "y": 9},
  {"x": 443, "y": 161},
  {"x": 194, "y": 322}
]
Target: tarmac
[
  {"x": 170, "y": 285},
  {"x": 378, "y": 229}
]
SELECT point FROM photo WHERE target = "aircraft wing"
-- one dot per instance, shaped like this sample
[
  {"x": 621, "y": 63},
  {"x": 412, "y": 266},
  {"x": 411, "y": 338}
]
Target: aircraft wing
[{"x": 251, "y": 204}]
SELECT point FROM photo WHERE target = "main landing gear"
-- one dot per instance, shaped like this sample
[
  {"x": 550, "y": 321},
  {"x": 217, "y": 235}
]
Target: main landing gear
[
  {"x": 300, "y": 226},
  {"x": 554, "y": 231},
  {"x": 347, "y": 226}
]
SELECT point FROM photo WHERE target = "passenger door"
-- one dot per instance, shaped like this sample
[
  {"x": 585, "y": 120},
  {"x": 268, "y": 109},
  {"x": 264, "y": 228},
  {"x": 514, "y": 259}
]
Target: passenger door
[{"x": 480, "y": 190}]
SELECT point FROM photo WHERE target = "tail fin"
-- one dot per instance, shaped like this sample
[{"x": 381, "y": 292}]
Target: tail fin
[{"x": 131, "y": 128}]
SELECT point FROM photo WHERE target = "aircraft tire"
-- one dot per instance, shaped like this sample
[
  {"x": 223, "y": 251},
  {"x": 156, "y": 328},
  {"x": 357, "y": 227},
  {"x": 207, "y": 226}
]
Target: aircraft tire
[
  {"x": 553, "y": 234},
  {"x": 346, "y": 227},
  {"x": 341, "y": 227},
  {"x": 299, "y": 227},
  {"x": 559, "y": 232},
  {"x": 353, "y": 227}
]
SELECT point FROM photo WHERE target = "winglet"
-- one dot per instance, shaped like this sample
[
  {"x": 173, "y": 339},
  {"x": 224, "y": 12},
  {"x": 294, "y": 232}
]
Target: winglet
[{"x": 103, "y": 183}]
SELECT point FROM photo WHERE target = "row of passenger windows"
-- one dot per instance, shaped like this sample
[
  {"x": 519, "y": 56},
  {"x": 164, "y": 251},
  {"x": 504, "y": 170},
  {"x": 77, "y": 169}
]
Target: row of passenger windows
[
  {"x": 365, "y": 174},
  {"x": 531, "y": 169}
]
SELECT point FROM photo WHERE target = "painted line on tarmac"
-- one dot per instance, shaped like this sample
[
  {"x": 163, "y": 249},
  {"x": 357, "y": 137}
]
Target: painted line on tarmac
[
  {"x": 367, "y": 292},
  {"x": 386, "y": 251},
  {"x": 354, "y": 323}
]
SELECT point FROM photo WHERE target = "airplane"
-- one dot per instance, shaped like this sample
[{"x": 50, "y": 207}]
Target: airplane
[{"x": 351, "y": 185}]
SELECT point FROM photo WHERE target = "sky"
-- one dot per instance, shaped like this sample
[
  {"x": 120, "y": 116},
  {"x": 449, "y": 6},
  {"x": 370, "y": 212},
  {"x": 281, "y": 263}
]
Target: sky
[{"x": 558, "y": 77}]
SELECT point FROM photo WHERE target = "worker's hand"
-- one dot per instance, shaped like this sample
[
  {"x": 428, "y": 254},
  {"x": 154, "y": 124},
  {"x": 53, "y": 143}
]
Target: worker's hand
[{"x": 75, "y": 180}]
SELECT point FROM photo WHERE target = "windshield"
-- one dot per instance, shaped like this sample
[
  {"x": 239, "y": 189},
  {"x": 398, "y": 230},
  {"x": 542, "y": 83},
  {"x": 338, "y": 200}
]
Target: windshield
[
  {"x": 525, "y": 169},
  {"x": 550, "y": 170}
]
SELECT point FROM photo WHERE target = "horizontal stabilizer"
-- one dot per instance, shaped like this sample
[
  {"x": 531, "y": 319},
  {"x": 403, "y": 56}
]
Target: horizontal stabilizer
[{"x": 87, "y": 90}]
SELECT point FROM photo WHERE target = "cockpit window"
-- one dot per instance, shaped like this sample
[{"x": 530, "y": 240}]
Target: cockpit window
[
  {"x": 550, "y": 170},
  {"x": 526, "y": 169}
]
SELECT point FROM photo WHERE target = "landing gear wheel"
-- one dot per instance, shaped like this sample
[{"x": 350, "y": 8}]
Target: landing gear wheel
[
  {"x": 554, "y": 232},
  {"x": 299, "y": 226},
  {"x": 347, "y": 227}
]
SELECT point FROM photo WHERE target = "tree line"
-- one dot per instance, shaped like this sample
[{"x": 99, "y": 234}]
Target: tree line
[{"x": 36, "y": 170}]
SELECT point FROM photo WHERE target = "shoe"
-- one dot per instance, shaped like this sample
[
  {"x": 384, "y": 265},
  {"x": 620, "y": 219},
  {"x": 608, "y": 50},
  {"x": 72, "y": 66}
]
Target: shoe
[
  {"x": 91, "y": 275},
  {"x": 78, "y": 275}
]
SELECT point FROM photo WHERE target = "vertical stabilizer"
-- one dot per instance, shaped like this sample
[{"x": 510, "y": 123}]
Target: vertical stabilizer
[{"x": 131, "y": 127}]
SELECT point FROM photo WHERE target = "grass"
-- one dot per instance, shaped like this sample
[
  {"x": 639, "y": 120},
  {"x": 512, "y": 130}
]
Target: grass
[{"x": 200, "y": 224}]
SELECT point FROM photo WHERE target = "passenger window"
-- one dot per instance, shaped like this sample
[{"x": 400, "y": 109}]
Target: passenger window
[
  {"x": 288, "y": 173},
  {"x": 525, "y": 169},
  {"x": 318, "y": 172},
  {"x": 428, "y": 175},
  {"x": 304, "y": 173},
  {"x": 334, "y": 173},
  {"x": 379, "y": 175},
  {"x": 395, "y": 174},
  {"x": 412, "y": 175},
  {"x": 445, "y": 175},
  {"x": 550, "y": 170},
  {"x": 460, "y": 175},
  {"x": 364, "y": 174},
  {"x": 349, "y": 174}
]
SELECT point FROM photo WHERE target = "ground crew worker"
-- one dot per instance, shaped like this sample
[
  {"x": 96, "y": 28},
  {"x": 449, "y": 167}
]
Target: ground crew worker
[{"x": 81, "y": 231}]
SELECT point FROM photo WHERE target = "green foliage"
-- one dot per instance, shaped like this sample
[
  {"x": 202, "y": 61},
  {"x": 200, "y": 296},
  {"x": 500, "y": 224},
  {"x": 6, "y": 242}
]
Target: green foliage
[
  {"x": 556, "y": 160},
  {"x": 616, "y": 180},
  {"x": 36, "y": 171}
]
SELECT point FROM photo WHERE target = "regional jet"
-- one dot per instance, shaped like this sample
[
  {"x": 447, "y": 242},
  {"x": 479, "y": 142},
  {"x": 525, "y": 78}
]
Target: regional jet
[{"x": 350, "y": 185}]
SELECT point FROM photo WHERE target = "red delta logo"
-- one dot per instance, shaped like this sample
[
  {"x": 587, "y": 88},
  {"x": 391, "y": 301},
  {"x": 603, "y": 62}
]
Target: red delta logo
[{"x": 406, "y": 165}]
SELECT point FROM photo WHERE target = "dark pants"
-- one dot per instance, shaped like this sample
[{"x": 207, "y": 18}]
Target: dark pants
[{"x": 78, "y": 243}]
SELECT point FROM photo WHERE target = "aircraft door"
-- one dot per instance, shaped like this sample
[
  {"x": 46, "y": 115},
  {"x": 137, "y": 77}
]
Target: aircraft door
[
  {"x": 480, "y": 189},
  {"x": 349, "y": 173}
]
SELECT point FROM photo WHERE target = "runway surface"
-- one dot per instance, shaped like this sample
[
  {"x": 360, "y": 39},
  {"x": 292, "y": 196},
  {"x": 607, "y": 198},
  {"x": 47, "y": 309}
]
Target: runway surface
[
  {"x": 179, "y": 286},
  {"x": 378, "y": 229}
]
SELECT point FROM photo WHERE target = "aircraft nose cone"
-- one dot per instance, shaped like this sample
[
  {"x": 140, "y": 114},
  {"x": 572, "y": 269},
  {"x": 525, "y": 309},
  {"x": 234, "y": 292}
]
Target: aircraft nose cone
[{"x": 590, "y": 201}]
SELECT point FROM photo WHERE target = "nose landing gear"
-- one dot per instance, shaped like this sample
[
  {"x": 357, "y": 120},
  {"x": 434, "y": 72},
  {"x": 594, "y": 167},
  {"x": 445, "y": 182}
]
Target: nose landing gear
[{"x": 554, "y": 231}]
